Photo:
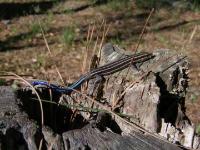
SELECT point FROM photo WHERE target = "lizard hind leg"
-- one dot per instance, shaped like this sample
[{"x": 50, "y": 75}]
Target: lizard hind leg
[{"x": 96, "y": 86}]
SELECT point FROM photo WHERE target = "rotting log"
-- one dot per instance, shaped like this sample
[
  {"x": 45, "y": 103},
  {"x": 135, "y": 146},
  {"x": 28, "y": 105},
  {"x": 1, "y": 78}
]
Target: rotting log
[
  {"x": 142, "y": 110},
  {"x": 18, "y": 132}
]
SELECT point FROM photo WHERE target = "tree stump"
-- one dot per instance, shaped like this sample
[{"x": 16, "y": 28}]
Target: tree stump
[{"x": 131, "y": 109}]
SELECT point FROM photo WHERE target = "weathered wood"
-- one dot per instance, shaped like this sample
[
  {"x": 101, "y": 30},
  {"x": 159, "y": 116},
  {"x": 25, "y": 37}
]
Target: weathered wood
[
  {"x": 154, "y": 101},
  {"x": 18, "y": 132},
  {"x": 91, "y": 138}
]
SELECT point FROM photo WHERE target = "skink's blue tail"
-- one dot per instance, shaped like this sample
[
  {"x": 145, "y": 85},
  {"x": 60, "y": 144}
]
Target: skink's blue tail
[{"x": 53, "y": 87}]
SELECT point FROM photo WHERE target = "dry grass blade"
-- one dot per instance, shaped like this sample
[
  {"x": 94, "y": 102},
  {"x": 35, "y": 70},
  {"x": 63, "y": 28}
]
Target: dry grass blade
[
  {"x": 108, "y": 110},
  {"x": 80, "y": 107},
  {"x": 21, "y": 75},
  {"x": 97, "y": 38},
  {"x": 140, "y": 38},
  {"x": 132, "y": 124},
  {"x": 105, "y": 32},
  {"x": 40, "y": 146},
  {"x": 192, "y": 34},
  {"x": 189, "y": 41},
  {"x": 27, "y": 83},
  {"x": 89, "y": 39},
  {"x": 102, "y": 39},
  {"x": 95, "y": 46},
  {"x": 47, "y": 45},
  {"x": 40, "y": 101},
  {"x": 113, "y": 100},
  {"x": 7, "y": 77},
  {"x": 143, "y": 30},
  {"x": 83, "y": 68},
  {"x": 90, "y": 35}
]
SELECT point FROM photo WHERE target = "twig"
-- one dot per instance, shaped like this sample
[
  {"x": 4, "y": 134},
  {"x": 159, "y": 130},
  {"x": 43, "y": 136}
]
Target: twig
[
  {"x": 140, "y": 38},
  {"x": 132, "y": 124},
  {"x": 143, "y": 30},
  {"x": 46, "y": 43},
  {"x": 89, "y": 39}
]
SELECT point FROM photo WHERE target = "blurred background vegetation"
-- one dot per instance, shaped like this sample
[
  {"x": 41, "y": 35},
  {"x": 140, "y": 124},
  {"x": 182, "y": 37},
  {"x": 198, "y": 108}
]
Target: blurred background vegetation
[{"x": 175, "y": 24}]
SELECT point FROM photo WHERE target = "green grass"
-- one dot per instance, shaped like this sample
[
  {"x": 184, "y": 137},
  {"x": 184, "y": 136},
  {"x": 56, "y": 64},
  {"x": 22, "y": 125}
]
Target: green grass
[
  {"x": 15, "y": 86},
  {"x": 193, "y": 98},
  {"x": 14, "y": 30},
  {"x": 163, "y": 39},
  {"x": 198, "y": 129},
  {"x": 68, "y": 36},
  {"x": 195, "y": 5},
  {"x": 40, "y": 62},
  {"x": 117, "y": 5},
  {"x": 49, "y": 17},
  {"x": 35, "y": 28},
  {"x": 37, "y": 9},
  {"x": 116, "y": 40},
  {"x": 147, "y": 4},
  {"x": 2, "y": 82}
]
